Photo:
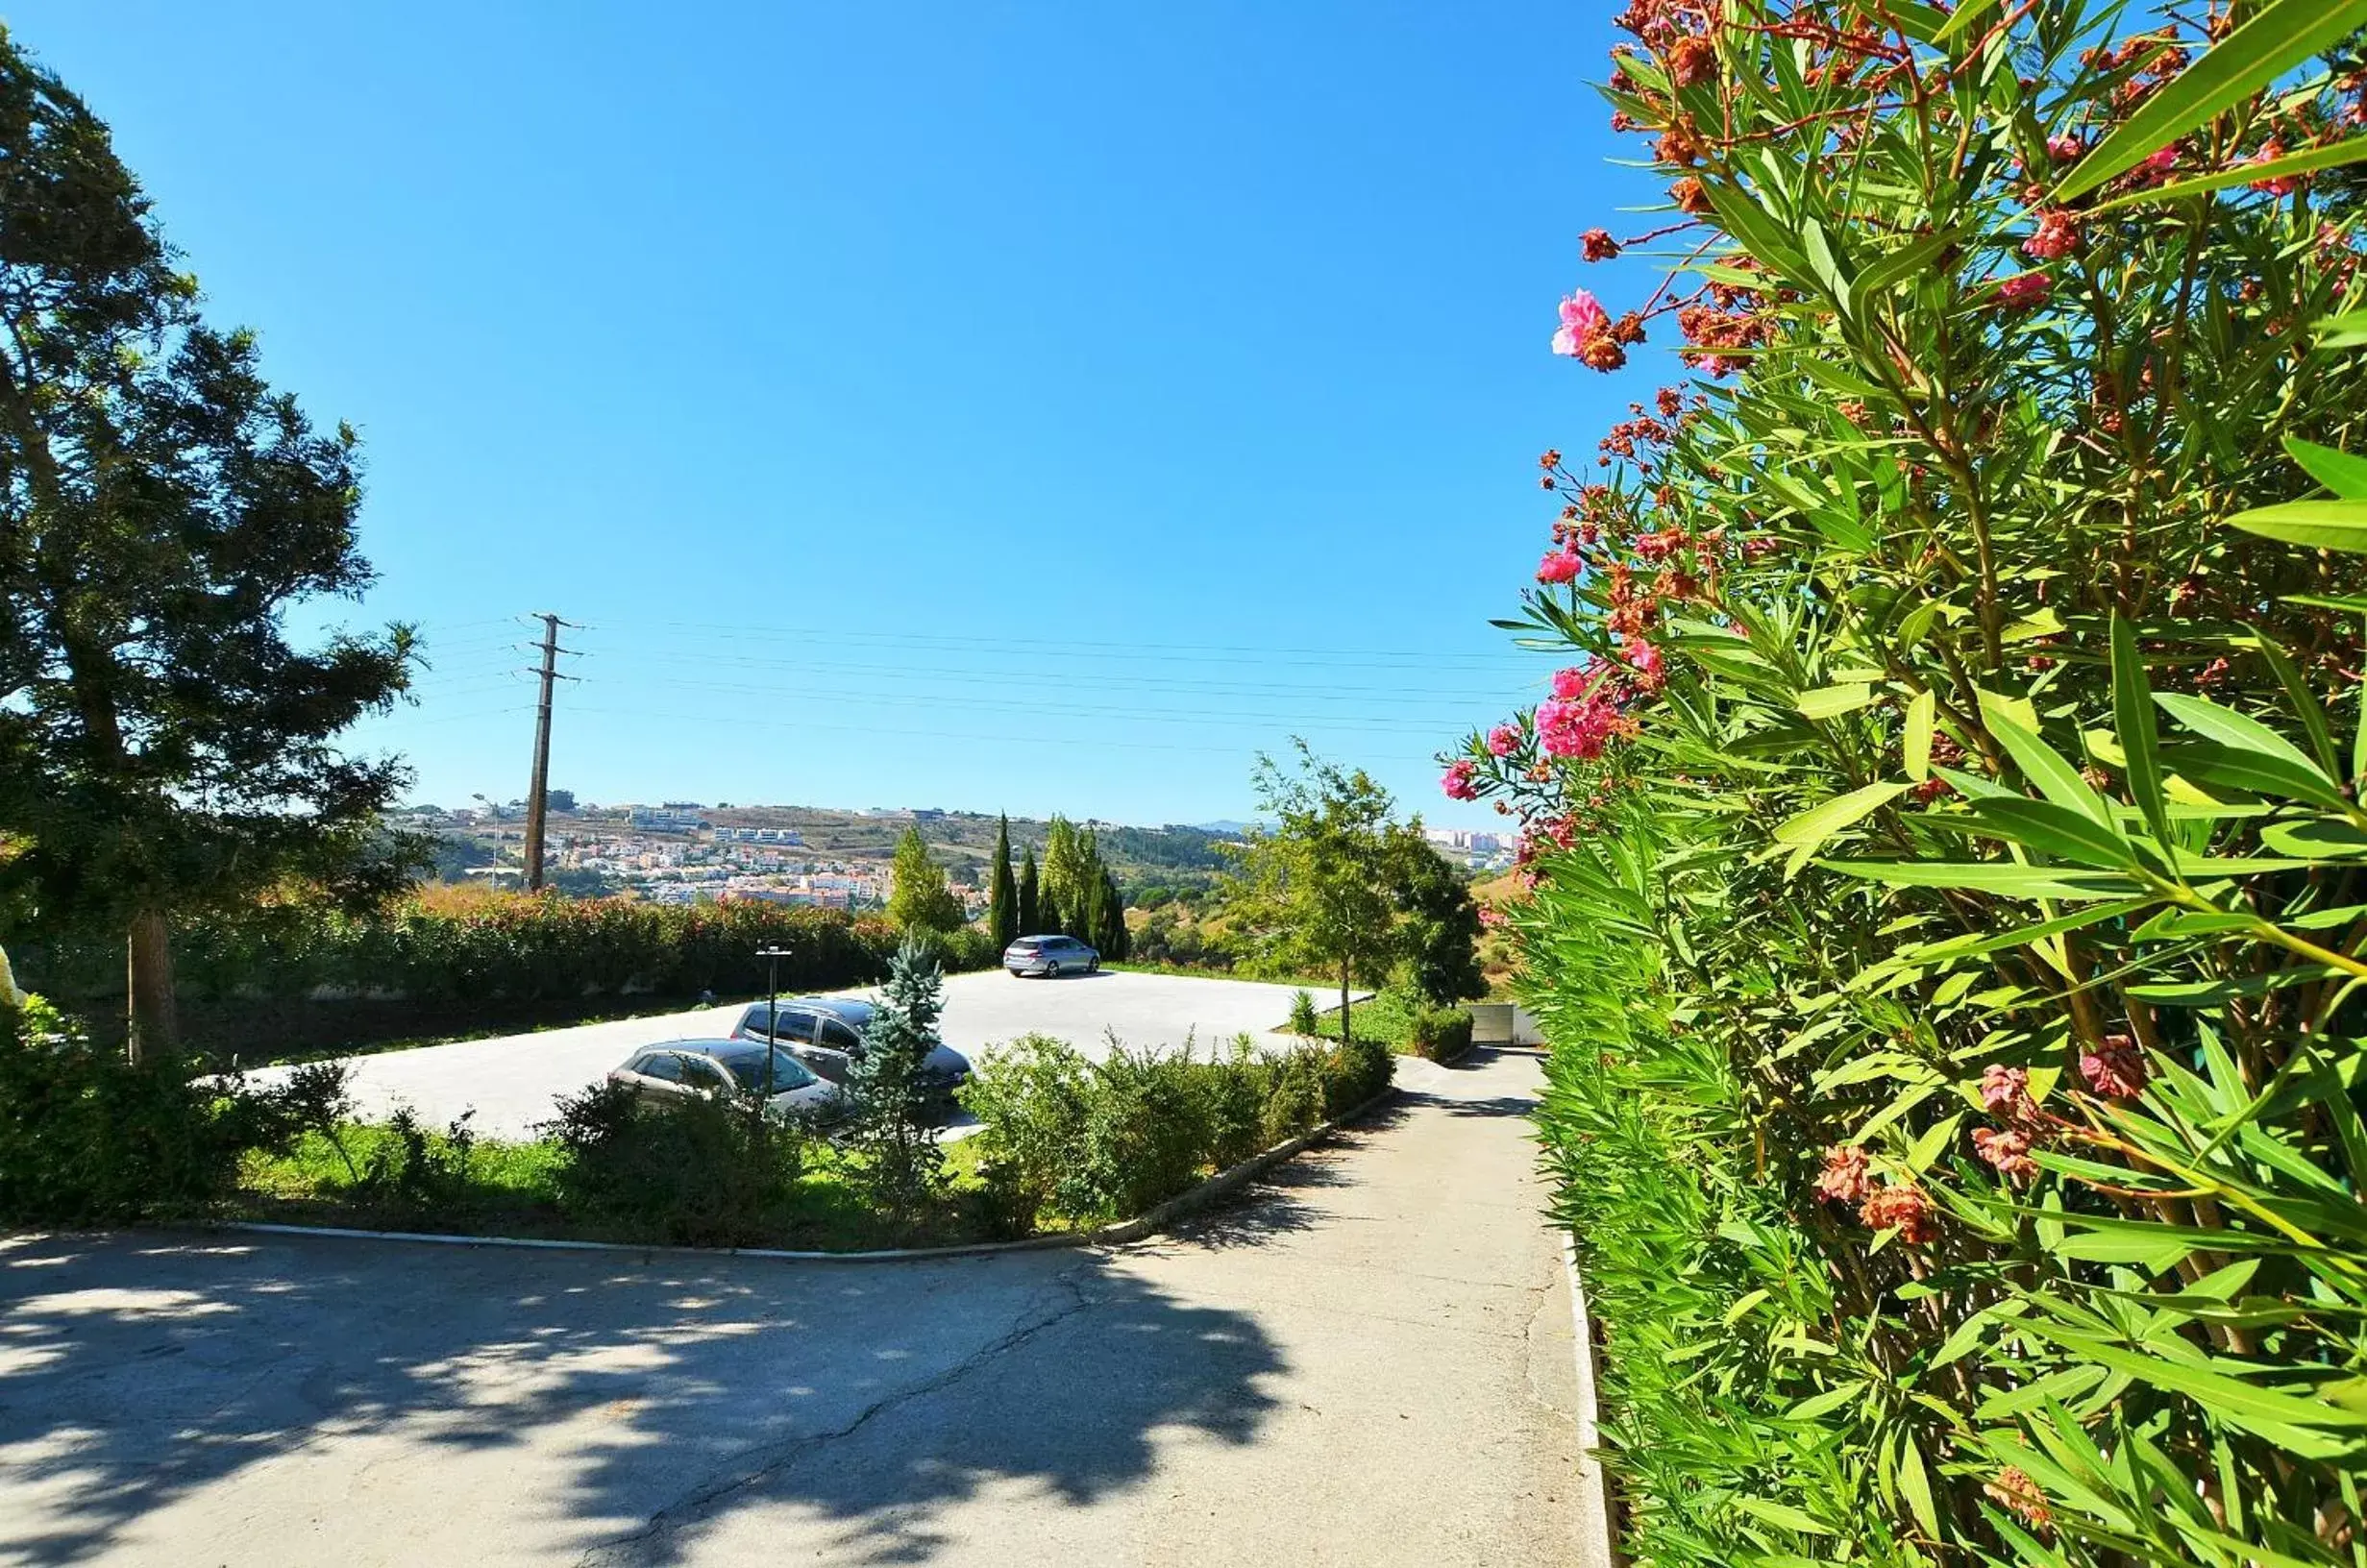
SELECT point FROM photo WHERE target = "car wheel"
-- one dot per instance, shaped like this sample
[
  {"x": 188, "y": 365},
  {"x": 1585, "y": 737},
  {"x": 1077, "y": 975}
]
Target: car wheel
[{"x": 1094, "y": 967}]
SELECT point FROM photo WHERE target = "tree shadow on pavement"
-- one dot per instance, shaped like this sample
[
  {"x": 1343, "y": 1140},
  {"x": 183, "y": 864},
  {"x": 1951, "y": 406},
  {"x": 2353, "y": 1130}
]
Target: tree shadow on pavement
[{"x": 213, "y": 1393}]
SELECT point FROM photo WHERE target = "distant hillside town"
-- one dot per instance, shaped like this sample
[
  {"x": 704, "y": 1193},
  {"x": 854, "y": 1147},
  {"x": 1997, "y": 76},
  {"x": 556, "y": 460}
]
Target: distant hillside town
[{"x": 680, "y": 851}]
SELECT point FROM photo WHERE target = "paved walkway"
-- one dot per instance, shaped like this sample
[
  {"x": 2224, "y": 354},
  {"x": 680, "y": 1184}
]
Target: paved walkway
[{"x": 1366, "y": 1363}]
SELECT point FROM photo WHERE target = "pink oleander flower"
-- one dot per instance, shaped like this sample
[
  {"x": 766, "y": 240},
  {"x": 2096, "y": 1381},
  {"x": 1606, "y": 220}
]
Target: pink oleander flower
[
  {"x": 1583, "y": 317},
  {"x": 1493, "y": 918},
  {"x": 2058, "y": 236},
  {"x": 2281, "y": 184},
  {"x": 2161, "y": 160},
  {"x": 1904, "y": 1209},
  {"x": 2116, "y": 1067},
  {"x": 1504, "y": 739},
  {"x": 1558, "y": 566},
  {"x": 2066, "y": 149},
  {"x": 2006, "y": 1090},
  {"x": 1457, "y": 782},
  {"x": 1644, "y": 660},
  {"x": 2024, "y": 291},
  {"x": 1845, "y": 1178},
  {"x": 1580, "y": 728},
  {"x": 2008, "y": 1148},
  {"x": 1569, "y": 684}
]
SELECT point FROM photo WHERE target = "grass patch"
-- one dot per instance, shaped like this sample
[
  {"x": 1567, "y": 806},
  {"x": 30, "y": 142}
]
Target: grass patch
[
  {"x": 1385, "y": 1019},
  {"x": 489, "y": 1186}
]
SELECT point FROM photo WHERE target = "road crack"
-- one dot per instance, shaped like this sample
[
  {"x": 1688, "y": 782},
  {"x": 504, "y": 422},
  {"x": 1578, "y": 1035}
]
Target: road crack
[{"x": 758, "y": 1465}]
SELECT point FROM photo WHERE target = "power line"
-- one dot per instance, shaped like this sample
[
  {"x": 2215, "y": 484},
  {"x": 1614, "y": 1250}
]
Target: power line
[{"x": 1133, "y": 648}]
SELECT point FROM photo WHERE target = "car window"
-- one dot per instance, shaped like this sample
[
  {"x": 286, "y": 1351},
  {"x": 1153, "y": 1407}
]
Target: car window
[
  {"x": 838, "y": 1037},
  {"x": 664, "y": 1065},
  {"x": 796, "y": 1023},
  {"x": 701, "y": 1073},
  {"x": 788, "y": 1072},
  {"x": 755, "y": 1022}
]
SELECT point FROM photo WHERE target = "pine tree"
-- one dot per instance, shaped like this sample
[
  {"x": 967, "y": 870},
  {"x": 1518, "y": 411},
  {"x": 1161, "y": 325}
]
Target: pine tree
[
  {"x": 902, "y": 1165},
  {"x": 169, "y": 743},
  {"x": 1003, "y": 910},
  {"x": 1030, "y": 900}
]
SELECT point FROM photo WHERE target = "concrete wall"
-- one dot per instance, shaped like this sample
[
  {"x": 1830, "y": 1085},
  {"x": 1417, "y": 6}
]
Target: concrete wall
[{"x": 1503, "y": 1023}]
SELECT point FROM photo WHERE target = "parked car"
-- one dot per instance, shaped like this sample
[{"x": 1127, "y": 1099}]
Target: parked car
[
  {"x": 1050, "y": 957},
  {"x": 676, "y": 1070},
  {"x": 825, "y": 1034}
]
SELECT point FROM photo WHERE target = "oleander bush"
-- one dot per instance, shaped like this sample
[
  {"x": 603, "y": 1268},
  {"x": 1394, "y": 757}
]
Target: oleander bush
[
  {"x": 1945, "y": 834},
  {"x": 1067, "y": 1143}
]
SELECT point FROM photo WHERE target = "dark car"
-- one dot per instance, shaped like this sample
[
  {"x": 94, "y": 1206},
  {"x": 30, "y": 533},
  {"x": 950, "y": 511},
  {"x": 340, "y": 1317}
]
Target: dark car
[
  {"x": 674, "y": 1071},
  {"x": 1050, "y": 957},
  {"x": 826, "y": 1033}
]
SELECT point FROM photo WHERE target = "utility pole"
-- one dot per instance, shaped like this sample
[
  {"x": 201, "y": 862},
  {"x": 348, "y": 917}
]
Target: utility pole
[{"x": 536, "y": 809}]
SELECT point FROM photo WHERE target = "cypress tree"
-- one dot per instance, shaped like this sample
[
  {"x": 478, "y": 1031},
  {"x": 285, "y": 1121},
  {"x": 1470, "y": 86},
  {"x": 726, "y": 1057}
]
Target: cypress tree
[
  {"x": 1030, "y": 900},
  {"x": 1002, "y": 910},
  {"x": 1116, "y": 942}
]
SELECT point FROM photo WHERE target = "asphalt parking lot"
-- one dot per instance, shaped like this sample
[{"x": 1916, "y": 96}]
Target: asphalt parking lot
[
  {"x": 1367, "y": 1363},
  {"x": 512, "y": 1082}
]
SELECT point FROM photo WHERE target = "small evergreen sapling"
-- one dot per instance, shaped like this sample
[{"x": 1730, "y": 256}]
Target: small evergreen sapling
[{"x": 901, "y": 1167}]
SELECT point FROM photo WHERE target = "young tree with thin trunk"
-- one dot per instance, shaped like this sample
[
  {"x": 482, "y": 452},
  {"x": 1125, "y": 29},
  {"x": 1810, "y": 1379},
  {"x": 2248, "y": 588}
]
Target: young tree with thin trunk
[
  {"x": 919, "y": 898},
  {"x": 1316, "y": 887},
  {"x": 164, "y": 745}
]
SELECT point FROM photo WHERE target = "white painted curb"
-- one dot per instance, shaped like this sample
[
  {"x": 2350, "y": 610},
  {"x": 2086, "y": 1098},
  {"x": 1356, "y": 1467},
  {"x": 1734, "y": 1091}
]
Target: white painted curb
[
  {"x": 1222, "y": 1184},
  {"x": 1596, "y": 1548}
]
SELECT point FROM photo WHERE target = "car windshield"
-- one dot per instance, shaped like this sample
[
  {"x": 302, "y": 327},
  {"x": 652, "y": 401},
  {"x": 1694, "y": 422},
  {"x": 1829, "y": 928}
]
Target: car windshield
[{"x": 747, "y": 1067}]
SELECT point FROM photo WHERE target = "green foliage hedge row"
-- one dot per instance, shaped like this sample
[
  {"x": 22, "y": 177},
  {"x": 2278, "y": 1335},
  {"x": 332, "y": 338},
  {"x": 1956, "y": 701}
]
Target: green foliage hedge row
[
  {"x": 1068, "y": 1142},
  {"x": 512, "y": 947}
]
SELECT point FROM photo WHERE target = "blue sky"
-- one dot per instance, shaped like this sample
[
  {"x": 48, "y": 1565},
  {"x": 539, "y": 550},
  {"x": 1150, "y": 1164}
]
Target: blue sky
[{"x": 1001, "y": 407}]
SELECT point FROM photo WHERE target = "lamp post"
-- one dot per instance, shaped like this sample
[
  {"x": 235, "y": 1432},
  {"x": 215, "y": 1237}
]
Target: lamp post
[{"x": 772, "y": 957}]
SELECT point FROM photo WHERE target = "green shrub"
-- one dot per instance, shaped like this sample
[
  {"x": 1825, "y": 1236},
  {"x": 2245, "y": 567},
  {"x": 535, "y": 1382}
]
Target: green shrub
[
  {"x": 1069, "y": 1142},
  {"x": 1303, "y": 1019},
  {"x": 1439, "y": 1033},
  {"x": 702, "y": 1173},
  {"x": 409, "y": 1173},
  {"x": 87, "y": 1137}
]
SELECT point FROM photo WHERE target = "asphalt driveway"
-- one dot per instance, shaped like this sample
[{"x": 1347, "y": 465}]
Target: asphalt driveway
[
  {"x": 511, "y": 1081},
  {"x": 1367, "y": 1362}
]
